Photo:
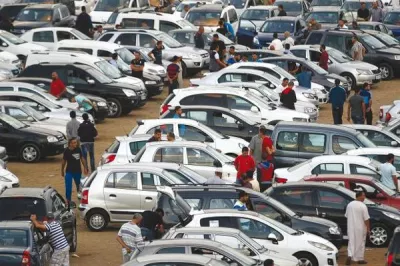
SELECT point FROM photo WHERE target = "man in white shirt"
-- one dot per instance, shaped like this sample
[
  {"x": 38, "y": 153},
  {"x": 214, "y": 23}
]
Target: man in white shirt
[
  {"x": 288, "y": 39},
  {"x": 342, "y": 25},
  {"x": 389, "y": 174},
  {"x": 283, "y": 86},
  {"x": 276, "y": 44},
  {"x": 217, "y": 179}
]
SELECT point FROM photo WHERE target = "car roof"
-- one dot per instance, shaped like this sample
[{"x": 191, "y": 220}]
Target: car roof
[
  {"x": 369, "y": 22},
  {"x": 288, "y": 18},
  {"x": 339, "y": 176},
  {"x": 210, "y": 7},
  {"x": 15, "y": 224},
  {"x": 344, "y": 31},
  {"x": 177, "y": 143},
  {"x": 51, "y": 28},
  {"x": 262, "y": 7},
  {"x": 131, "y": 166},
  {"x": 81, "y": 66},
  {"x": 12, "y": 103},
  {"x": 349, "y": 158},
  {"x": 16, "y": 4},
  {"x": 211, "y": 107},
  {"x": 16, "y": 83},
  {"x": 43, "y": 6},
  {"x": 377, "y": 150},
  {"x": 133, "y": 137},
  {"x": 89, "y": 43},
  {"x": 230, "y": 211},
  {"x": 24, "y": 192},
  {"x": 306, "y": 184},
  {"x": 161, "y": 165},
  {"x": 210, "y": 230},
  {"x": 292, "y": 124},
  {"x": 206, "y": 89},
  {"x": 360, "y": 126},
  {"x": 203, "y": 260},
  {"x": 325, "y": 8},
  {"x": 79, "y": 56}
]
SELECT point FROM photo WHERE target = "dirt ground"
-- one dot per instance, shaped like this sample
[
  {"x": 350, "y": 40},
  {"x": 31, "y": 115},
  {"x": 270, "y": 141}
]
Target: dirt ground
[{"x": 101, "y": 248}]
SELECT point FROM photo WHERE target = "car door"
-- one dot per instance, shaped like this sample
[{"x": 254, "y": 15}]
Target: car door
[
  {"x": 79, "y": 79},
  {"x": 126, "y": 39},
  {"x": 193, "y": 133},
  {"x": 298, "y": 199},
  {"x": 287, "y": 148},
  {"x": 312, "y": 144},
  {"x": 63, "y": 215},
  {"x": 148, "y": 193},
  {"x": 44, "y": 38},
  {"x": 200, "y": 161},
  {"x": 43, "y": 247},
  {"x": 122, "y": 194},
  {"x": 10, "y": 137}
]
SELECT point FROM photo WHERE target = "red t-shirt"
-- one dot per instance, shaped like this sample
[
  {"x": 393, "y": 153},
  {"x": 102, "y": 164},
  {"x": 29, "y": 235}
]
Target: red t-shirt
[
  {"x": 244, "y": 164},
  {"x": 323, "y": 60},
  {"x": 267, "y": 142},
  {"x": 56, "y": 87}
]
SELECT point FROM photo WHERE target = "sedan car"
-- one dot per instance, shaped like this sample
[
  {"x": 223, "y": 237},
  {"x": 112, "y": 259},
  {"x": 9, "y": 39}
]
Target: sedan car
[
  {"x": 15, "y": 45},
  {"x": 174, "y": 260},
  {"x": 377, "y": 135},
  {"x": 378, "y": 154},
  {"x": 294, "y": 7},
  {"x": 355, "y": 72}
]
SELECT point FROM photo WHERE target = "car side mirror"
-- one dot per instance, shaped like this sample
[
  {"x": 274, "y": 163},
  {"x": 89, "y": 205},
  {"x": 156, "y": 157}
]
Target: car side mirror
[
  {"x": 240, "y": 126},
  {"x": 254, "y": 109},
  {"x": 91, "y": 81},
  {"x": 393, "y": 143},
  {"x": 272, "y": 237},
  {"x": 41, "y": 108},
  {"x": 380, "y": 196}
]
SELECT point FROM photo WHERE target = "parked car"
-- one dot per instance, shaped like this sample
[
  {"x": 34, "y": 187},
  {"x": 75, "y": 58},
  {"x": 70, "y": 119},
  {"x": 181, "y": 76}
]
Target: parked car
[
  {"x": 377, "y": 135},
  {"x": 329, "y": 201},
  {"x": 15, "y": 45},
  {"x": 384, "y": 38},
  {"x": 394, "y": 127},
  {"x": 373, "y": 26},
  {"x": 373, "y": 188},
  {"x": 11, "y": 10},
  {"x": 103, "y": 9},
  {"x": 22, "y": 243},
  {"x": 182, "y": 259},
  {"x": 7, "y": 179},
  {"x": 356, "y": 73},
  {"x": 297, "y": 142},
  {"x": 327, "y": 16},
  {"x": 350, "y": 8},
  {"x": 25, "y": 201},
  {"x": 8, "y": 71},
  {"x": 388, "y": 113},
  {"x": 392, "y": 255},
  {"x": 253, "y": 18},
  {"x": 294, "y": 7},
  {"x": 9, "y": 58},
  {"x": 307, "y": 248},
  {"x": 191, "y": 3},
  {"x": 378, "y": 154},
  {"x": 390, "y": 20},
  {"x": 3, "y": 157}
]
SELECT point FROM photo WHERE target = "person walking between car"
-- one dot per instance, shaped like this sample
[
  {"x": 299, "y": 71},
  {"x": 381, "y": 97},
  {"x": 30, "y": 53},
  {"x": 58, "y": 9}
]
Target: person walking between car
[
  {"x": 216, "y": 179},
  {"x": 337, "y": 97},
  {"x": 72, "y": 126},
  {"x": 324, "y": 58},
  {"x": 244, "y": 163},
  {"x": 156, "y": 53},
  {"x": 389, "y": 173},
  {"x": 152, "y": 224},
  {"x": 276, "y": 44},
  {"x": 366, "y": 94},
  {"x": 363, "y": 12},
  {"x": 172, "y": 73},
  {"x": 199, "y": 39},
  {"x": 216, "y": 63},
  {"x": 304, "y": 78},
  {"x": 376, "y": 12},
  {"x": 137, "y": 66},
  {"x": 282, "y": 11},
  {"x": 130, "y": 236},
  {"x": 57, "y": 239},
  {"x": 356, "y": 108},
  {"x": 241, "y": 203},
  {"x": 156, "y": 136},
  {"x": 357, "y": 49},
  {"x": 87, "y": 133},
  {"x": 221, "y": 28},
  {"x": 288, "y": 40},
  {"x": 84, "y": 23},
  {"x": 71, "y": 168},
  {"x": 84, "y": 103},
  {"x": 288, "y": 96},
  {"x": 358, "y": 227},
  {"x": 57, "y": 87}
]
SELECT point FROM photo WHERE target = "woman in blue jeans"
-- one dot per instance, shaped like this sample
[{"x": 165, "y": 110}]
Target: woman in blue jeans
[{"x": 71, "y": 168}]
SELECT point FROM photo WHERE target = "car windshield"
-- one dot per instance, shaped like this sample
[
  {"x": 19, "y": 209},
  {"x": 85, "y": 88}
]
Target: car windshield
[
  {"x": 255, "y": 14},
  {"x": 32, "y": 112},
  {"x": 326, "y": 3},
  {"x": 279, "y": 225},
  {"x": 180, "y": 7},
  {"x": 354, "y": 6},
  {"x": 44, "y": 102},
  {"x": 14, "y": 238},
  {"x": 338, "y": 56},
  {"x": 372, "y": 42},
  {"x": 366, "y": 26},
  {"x": 112, "y": 18},
  {"x": 392, "y": 18},
  {"x": 223, "y": 158},
  {"x": 365, "y": 141},
  {"x": 99, "y": 76},
  {"x": 194, "y": 175},
  {"x": 12, "y": 122},
  {"x": 251, "y": 241},
  {"x": 283, "y": 73},
  {"x": 108, "y": 5},
  {"x": 324, "y": 17},
  {"x": 79, "y": 34},
  {"x": 290, "y": 6},
  {"x": 386, "y": 189},
  {"x": 204, "y": 18},
  {"x": 387, "y": 39},
  {"x": 281, "y": 206},
  {"x": 11, "y": 38},
  {"x": 279, "y": 26},
  {"x": 175, "y": 179},
  {"x": 125, "y": 55},
  {"x": 169, "y": 41},
  {"x": 22, "y": 208},
  {"x": 35, "y": 14},
  {"x": 109, "y": 70},
  {"x": 238, "y": 4}
]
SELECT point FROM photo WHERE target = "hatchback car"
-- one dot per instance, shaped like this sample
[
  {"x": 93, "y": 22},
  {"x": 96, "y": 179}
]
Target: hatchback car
[
  {"x": 377, "y": 135},
  {"x": 174, "y": 260},
  {"x": 378, "y": 154},
  {"x": 393, "y": 253}
]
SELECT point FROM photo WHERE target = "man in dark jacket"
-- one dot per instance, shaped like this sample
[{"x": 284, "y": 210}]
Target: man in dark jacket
[
  {"x": 199, "y": 39},
  {"x": 84, "y": 23},
  {"x": 87, "y": 132},
  {"x": 288, "y": 96}
]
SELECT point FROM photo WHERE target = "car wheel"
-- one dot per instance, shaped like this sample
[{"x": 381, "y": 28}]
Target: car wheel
[
  {"x": 97, "y": 220},
  {"x": 306, "y": 259},
  {"x": 386, "y": 71},
  {"x": 379, "y": 235},
  {"x": 114, "y": 107},
  {"x": 30, "y": 153},
  {"x": 74, "y": 242},
  {"x": 350, "y": 80}
]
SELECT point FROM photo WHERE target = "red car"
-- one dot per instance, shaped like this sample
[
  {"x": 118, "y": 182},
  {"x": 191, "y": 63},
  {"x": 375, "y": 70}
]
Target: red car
[{"x": 373, "y": 188}]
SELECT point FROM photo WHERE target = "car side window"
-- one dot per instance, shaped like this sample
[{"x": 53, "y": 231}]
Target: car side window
[
  {"x": 196, "y": 204},
  {"x": 76, "y": 77},
  {"x": 103, "y": 53},
  {"x": 328, "y": 168},
  {"x": 105, "y": 37},
  {"x": 313, "y": 143},
  {"x": 126, "y": 39},
  {"x": 222, "y": 203},
  {"x": 314, "y": 56},
  {"x": 314, "y": 38},
  {"x": 147, "y": 41},
  {"x": 193, "y": 134},
  {"x": 256, "y": 229},
  {"x": 342, "y": 144},
  {"x": 224, "y": 120},
  {"x": 6, "y": 88},
  {"x": 287, "y": 141},
  {"x": 238, "y": 103},
  {"x": 166, "y": 26},
  {"x": 43, "y": 36},
  {"x": 88, "y": 51},
  {"x": 229, "y": 222},
  {"x": 172, "y": 250},
  {"x": 228, "y": 77},
  {"x": 232, "y": 15},
  {"x": 17, "y": 113},
  {"x": 165, "y": 129},
  {"x": 122, "y": 180},
  {"x": 299, "y": 53},
  {"x": 169, "y": 155},
  {"x": 58, "y": 203},
  {"x": 65, "y": 35},
  {"x": 136, "y": 146},
  {"x": 378, "y": 138},
  {"x": 356, "y": 169},
  {"x": 294, "y": 196},
  {"x": 331, "y": 199},
  {"x": 334, "y": 41},
  {"x": 200, "y": 116},
  {"x": 267, "y": 210},
  {"x": 149, "y": 180},
  {"x": 199, "y": 158}
]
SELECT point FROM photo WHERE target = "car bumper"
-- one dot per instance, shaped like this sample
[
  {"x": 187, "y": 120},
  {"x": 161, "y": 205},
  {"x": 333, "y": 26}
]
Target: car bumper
[
  {"x": 83, "y": 210},
  {"x": 322, "y": 96},
  {"x": 54, "y": 148},
  {"x": 101, "y": 113},
  {"x": 336, "y": 240},
  {"x": 129, "y": 102},
  {"x": 154, "y": 87},
  {"x": 372, "y": 79},
  {"x": 10, "y": 184},
  {"x": 196, "y": 63},
  {"x": 327, "y": 259}
]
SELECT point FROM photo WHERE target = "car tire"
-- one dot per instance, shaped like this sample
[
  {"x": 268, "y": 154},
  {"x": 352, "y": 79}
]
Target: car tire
[
  {"x": 114, "y": 107},
  {"x": 74, "y": 242},
  {"x": 29, "y": 153},
  {"x": 306, "y": 258},
  {"x": 97, "y": 220},
  {"x": 386, "y": 71},
  {"x": 379, "y": 235},
  {"x": 351, "y": 80}
]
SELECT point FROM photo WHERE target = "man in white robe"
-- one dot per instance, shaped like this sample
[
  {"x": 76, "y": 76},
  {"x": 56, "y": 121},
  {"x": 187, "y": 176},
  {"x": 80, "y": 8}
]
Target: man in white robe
[{"x": 357, "y": 228}]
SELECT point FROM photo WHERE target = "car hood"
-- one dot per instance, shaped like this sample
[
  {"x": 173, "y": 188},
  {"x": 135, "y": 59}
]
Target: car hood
[
  {"x": 131, "y": 81},
  {"x": 158, "y": 68},
  {"x": 93, "y": 97},
  {"x": 7, "y": 56},
  {"x": 31, "y": 47},
  {"x": 65, "y": 103},
  {"x": 8, "y": 175},
  {"x": 100, "y": 16},
  {"x": 27, "y": 25},
  {"x": 360, "y": 65},
  {"x": 120, "y": 85},
  {"x": 281, "y": 172},
  {"x": 318, "y": 221},
  {"x": 51, "y": 126},
  {"x": 383, "y": 207},
  {"x": 41, "y": 131}
]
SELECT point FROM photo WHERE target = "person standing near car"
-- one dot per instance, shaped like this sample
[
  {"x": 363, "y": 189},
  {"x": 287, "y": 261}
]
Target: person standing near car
[
  {"x": 84, "y": 102},
  {"x": 288, "y": 96},
  {"x": 376, "y": 12},
  {"x": 389, "y": 173},
  {"x": 57, "y": 87},
  {"x": 152, "y": 224},
  {"x": 366, "y": 94},
  {"x": 87, "y": 133},
  {"x": 113, "y": 60},
  {"x": 84, "y": 23},
  {"x": 130, "y": 236},
  {"x": 324, "y": 57},
  {"x": 57, "y": 239},
  {"x": 217, "y": 179},
  {"x": 282, "y": 11},
  {"x": 156, "y": 53},
  {"x": 358, "y": 227},
  {"x": 356, "y": 108},
  {"x": 288, "y": 40},
  {"x": 357, "y": 49},
  {"x": 241, "y": 203},
  {"x": 304, "y": 78},
  {"x": 216, "y": 62},
  {"x": 337, "y": 97},
  {"x": 137, "y": 66},
  {"x": 244, "y": 163},
  {"x": 199, "y": 38},
  {"x": 72, "y": 126},
  {"x": 276, "y": 43},
  {"x": 255, "y": 145},
  {"x": 172, "y": 73},
  {"x": 363, "y": 12}
]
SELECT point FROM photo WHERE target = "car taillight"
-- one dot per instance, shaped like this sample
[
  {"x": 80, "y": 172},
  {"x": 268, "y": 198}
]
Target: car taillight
[
  {"x": 388, "y": 117},
  {"x": 26, "y": 258},
  {"x": 85, "y": 197},
  {"x": 389, "y": 259},
  {"x": 110, "y": 158},
  {"x": 280, "y": 180},
  {"x": 380, "y": 113},
  {"x": 164, "y": 108}
]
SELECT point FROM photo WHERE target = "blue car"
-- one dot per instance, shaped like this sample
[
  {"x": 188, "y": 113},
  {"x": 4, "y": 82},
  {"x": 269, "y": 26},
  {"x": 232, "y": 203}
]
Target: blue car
[{"x": 392, "y": 22}]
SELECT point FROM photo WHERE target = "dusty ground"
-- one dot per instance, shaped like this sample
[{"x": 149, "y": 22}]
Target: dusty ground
[{"x": 101, "y": 248}]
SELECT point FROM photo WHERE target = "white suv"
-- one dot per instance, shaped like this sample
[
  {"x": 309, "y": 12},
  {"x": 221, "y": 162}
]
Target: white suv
[{"x": 239, "y": 100}]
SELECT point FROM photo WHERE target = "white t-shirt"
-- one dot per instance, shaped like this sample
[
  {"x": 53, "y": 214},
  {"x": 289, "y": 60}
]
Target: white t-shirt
[
  {"x": 344, "y": 27},
  {"x": 216, "y": 56},
  {"x": 279, "y": 89},
  {"x": 288, "y": 40},
  {"x": 277, "y": 44},
  {"x": 356, "y": 214},
  {"x": 388, "y": 171}
]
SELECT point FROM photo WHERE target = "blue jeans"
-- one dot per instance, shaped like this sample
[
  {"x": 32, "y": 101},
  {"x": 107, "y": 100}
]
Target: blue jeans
[
  {"x": 68, "y": 183},
  {"x": 88, "y": 147},
  {"x": 357, "y": 119},
  {"x": 147, "y": 233}
]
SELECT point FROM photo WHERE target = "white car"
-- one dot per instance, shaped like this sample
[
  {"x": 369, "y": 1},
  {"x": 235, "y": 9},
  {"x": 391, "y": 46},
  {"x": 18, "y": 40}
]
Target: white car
[
  {"x": 309, "y": 249},
  {"x": 378, "y": 135},
  {"x": 328, "y": 164},
  {"x": 15, "y": 45},
  {"x": 197, "y": 156},
  {"x": 9, "y": 58},
  {"x": 88, "y": 4},
  {"x": 191, "y": 3},
  {"x": 50, "y": 36},
  {"x": 241, "y": 101},
  {"x": 191, "y": 130},
  {"x": 388, "y": 113},
  {"x": 7, "y": 179}
]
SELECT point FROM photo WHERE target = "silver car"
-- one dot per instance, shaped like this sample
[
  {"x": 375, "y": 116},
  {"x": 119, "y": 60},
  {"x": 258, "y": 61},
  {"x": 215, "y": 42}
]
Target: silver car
[
  {"x": 377, "y": 135},
  {"x": 173, "y": 260},
  {"x": 355, "y": 72}
]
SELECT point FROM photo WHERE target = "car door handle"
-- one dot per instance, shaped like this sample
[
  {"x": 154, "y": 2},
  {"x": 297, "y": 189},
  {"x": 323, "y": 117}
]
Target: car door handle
[
  {"x": 148, "y": 199},
  {"x": 112, "y": 196}
]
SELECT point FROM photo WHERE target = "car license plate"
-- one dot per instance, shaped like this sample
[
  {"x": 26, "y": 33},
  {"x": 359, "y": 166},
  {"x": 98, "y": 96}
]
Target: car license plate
[{"x": 378, "y": 77}]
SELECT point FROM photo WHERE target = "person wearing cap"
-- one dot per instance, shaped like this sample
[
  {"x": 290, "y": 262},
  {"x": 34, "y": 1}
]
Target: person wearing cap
[
  {"x": 57, "y": 239},
  {"x": 217, "y": 179},
  {"x": 172, "y": 73}
]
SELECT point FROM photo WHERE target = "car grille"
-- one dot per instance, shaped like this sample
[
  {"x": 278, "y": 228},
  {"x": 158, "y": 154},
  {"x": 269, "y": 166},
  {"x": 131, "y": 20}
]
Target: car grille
[
  {"x": 376, "y": 71},
  {"x": 205, "y": 55},
  {"x": 15, "y": 72},
  {"x": 15, "y": 185}
]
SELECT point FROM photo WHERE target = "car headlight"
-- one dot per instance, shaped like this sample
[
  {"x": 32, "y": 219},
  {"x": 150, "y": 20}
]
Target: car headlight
[
  {"x": 129, "y": 93},
  {"x": 191, "y": 56},
  {"x": 162, "y": 71},
  {"x": 102, "y": 104},
  {"x": 298, "y": 119},
  {"x": 150, "y": 82},
  {"x": 320, "y": 246},
  {"x": 52, "y": 139},
  {"x": 397, "y": 57},
  {"x": 362, "y": 71},
  {"x": 308, "y": 95},
  {"x": 152, "y": 70},
  {"x": 4, "y": 179},
  {"x": 392, "y": 215},
  {"x": 334, "y": 230},
  {"x": 308, "y": 110}
]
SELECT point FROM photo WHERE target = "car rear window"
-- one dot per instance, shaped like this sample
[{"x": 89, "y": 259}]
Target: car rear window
[
  {"x": 13, "y": 238},
  {"x": 113, "y": 147},
  {"x": 22, "y": 208}
]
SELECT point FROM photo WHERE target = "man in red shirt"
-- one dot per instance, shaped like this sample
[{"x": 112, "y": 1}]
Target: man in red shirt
[
  {"x": 268, "y": 148},
  {"x": 57, "y": 87},
  {"x": 244, "y": 163},
  {"x": 324, "y": 58}
]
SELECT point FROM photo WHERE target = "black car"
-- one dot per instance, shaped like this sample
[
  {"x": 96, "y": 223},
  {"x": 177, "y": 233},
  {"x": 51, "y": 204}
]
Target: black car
[
  {"x": 39, "y": 201},
  {"x": 330, "y": 201},
  {"x": 384, "y": 38},
  {"x": 120, "y": 97},
  {"x": 44, "y": 83},
  {"x": 42, "y": 15},
  {"x": 377, "y": 53},
  {"x": 393, "y": 253},
  {"x": 29, "y": 144},
  {"x": 11, "y": 10},
  {"x": 22, "y": 244},
  {"x": 226, "y": 121},
  {"x": 224, "y": 197}
]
